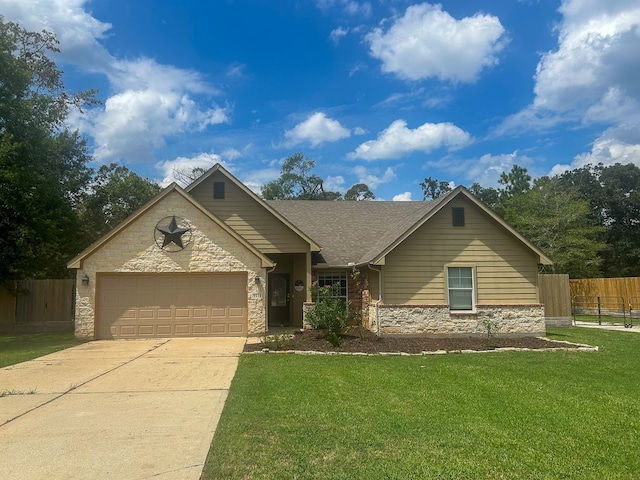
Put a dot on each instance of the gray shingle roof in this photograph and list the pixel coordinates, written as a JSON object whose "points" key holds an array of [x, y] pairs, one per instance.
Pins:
{"points": [[350, 231]]}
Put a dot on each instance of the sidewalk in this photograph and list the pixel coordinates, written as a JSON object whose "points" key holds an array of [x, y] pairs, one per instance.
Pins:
{"points": [[608, 326]]}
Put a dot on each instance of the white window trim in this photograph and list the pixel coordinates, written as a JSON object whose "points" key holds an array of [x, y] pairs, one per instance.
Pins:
{"points": [[337, 273], [474, 288]]}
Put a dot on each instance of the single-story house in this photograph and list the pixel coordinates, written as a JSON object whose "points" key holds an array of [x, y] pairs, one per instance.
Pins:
{"points": [[216, 259]]}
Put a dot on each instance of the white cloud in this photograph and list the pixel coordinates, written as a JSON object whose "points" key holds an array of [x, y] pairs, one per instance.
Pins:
{"points": [[428, 42], [369, 178], [149, 102], [358, 9], [255, 179], [337, 34], [592, 75], [350, 7], [597, 50], [78, 32], [316, 129], [231, 154], [398, 140], [402, 197], [333, 184], [616, 145], [485, 170], [171, 169], [135, 122]]}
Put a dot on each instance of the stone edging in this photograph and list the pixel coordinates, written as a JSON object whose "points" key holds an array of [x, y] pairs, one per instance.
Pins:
{"points": [[571, 347]]}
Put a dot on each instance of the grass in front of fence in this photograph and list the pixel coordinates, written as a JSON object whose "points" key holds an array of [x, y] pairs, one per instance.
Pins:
{"points": [[486, 415], [20, 347], [606, 319]]}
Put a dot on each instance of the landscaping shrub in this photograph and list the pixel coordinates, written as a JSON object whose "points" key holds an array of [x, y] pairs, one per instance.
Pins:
{"points": [[329, 313]]}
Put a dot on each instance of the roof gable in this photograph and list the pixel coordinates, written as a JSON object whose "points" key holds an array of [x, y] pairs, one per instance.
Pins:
{"points": [[77, 261], [218, 170], [443, 201]]}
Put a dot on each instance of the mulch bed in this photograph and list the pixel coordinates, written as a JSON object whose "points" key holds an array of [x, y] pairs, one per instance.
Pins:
{"points": [[364, 341]]}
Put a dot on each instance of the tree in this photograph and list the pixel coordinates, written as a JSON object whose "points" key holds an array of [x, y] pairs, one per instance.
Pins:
{"points": [[296, 181], [432, 188], [556, 219], [490, 196], [42, 163], [621, 212], [359, 191], [115, 193], [516, 182], [613, 194], [186, 176]]}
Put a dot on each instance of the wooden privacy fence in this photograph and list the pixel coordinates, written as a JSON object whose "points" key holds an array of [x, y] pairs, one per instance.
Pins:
{"points": [[626, 287], [41, 305], [556, 297]]}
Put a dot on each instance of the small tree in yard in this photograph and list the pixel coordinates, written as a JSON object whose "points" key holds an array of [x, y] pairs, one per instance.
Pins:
{"points": [[329, 313]]}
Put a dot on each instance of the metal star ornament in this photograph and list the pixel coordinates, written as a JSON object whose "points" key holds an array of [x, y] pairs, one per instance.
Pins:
{"points": [[172, 233]]}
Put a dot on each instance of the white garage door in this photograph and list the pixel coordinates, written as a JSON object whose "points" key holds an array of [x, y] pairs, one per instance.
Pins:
{"points": [[173, 305]]}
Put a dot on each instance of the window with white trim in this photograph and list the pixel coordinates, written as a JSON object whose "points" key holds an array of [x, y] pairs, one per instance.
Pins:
{"points": [[460, 287], [331, 278]]}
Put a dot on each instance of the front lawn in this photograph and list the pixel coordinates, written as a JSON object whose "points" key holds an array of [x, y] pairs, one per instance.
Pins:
{"points": [[458, 416], [20, 347]]}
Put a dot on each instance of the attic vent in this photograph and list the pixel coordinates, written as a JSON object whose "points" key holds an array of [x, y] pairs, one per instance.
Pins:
{"points": [[458, 216], [218, 190]]}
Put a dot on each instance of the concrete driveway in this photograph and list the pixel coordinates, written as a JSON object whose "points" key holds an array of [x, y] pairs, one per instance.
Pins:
{"points": [[129, 409]]}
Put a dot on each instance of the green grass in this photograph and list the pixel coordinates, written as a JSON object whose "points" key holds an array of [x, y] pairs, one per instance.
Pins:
{"points": [[20, 347], [604, 319], [516, 415]]}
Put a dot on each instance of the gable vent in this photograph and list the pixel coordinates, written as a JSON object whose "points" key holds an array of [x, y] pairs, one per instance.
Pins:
{"points": [[218, 190], [458, 216]]}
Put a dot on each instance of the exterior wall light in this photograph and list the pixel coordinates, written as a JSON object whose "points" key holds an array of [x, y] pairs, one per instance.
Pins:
{"points": [[257, 280], [85, 280]]}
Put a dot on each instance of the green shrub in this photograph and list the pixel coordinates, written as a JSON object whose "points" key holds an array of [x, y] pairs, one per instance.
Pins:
{"points": [[330, 312]]}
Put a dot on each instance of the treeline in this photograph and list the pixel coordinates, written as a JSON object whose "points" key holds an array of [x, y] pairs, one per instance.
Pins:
{"points": [[52, 204]]}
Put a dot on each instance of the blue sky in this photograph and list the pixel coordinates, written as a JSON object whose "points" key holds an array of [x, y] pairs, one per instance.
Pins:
{"points": [[382, 92]]}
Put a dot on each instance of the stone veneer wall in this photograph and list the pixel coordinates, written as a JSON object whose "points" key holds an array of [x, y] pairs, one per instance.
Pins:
{"points": [[134, 250], [437, 320]]}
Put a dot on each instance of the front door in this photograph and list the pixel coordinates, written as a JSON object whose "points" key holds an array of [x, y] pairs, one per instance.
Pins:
{"points": [[279, 299]]}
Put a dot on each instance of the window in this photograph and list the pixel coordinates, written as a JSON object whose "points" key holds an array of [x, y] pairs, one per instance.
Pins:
{"points": [[331, 278], [458, 216], [460, 288], [218, 190]]}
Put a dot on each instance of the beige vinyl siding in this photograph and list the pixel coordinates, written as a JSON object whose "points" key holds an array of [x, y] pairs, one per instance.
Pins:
{"points": [[247, 217], [506, 270]]}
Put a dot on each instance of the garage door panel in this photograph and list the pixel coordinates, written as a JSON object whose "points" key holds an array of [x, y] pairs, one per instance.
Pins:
{"points": [[201, 329], [164, 330], [145, 330], [200, 312], [183, 330], [236, 328], [218, 329], [149, 305]]}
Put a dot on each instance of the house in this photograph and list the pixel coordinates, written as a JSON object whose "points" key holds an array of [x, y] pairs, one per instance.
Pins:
{"points": [[216, 259]]}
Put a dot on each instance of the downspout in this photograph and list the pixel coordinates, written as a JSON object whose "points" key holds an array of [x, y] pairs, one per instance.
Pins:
{"points": [[266, 296], [379, 296]]}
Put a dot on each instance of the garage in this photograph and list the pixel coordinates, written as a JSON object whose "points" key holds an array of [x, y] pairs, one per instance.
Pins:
{"points": [[171, 305]]}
